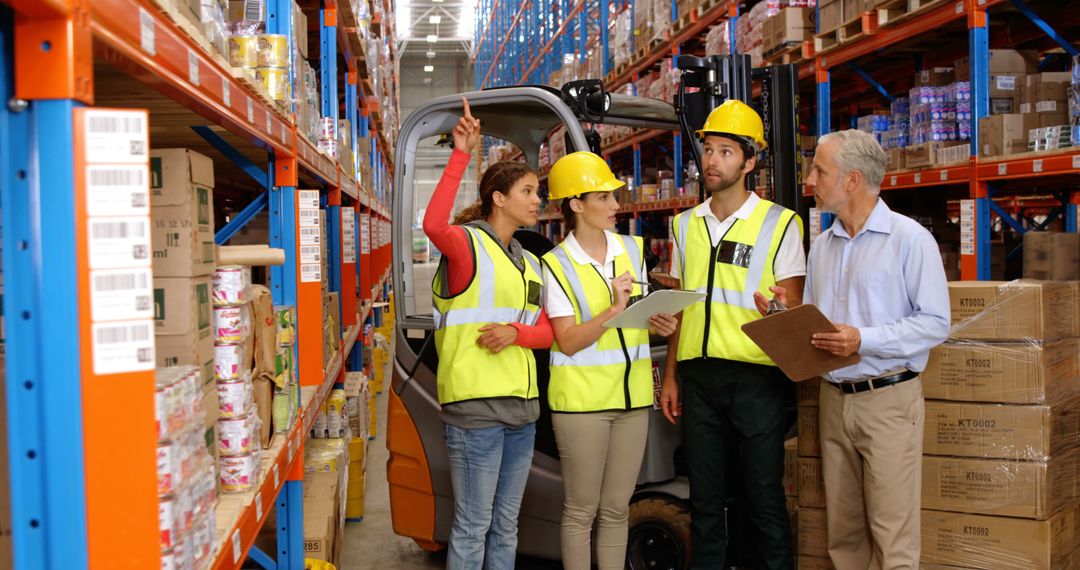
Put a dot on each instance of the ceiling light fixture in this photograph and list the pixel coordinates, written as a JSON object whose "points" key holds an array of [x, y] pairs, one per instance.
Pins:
{"points": [[429, 68], [435, 19], [432, 38], [430, 55]]}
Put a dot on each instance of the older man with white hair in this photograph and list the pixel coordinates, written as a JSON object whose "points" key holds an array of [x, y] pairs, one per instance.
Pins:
{"points": [[878, 276]]}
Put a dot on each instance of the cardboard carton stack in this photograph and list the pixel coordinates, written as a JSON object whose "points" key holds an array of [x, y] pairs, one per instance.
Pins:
{"points": [[1000, 470], [810, 542], [1052, 255], [789, 27]]}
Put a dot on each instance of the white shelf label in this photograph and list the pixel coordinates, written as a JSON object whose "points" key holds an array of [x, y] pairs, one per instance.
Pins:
{"points": [[1005, 82], [116, 137], [269, 124], [892, 181], [121, 294], [967, 226], [258, 506], [118, 190], [310, 236], [192, 67], [365, 234], [967, 237], [310, 254], [226, 92], [1003, 168], [277, 480], [960, 7], [1037, 165], [310, 273], [119, 242], [126, 346], [236, 550], [918, 178], [967, 249], [348, 236], [146, 31], [308, 199], [292, 449], [1076, 161], [309, 217], [967, 206], [944, 175], [251, 110]]}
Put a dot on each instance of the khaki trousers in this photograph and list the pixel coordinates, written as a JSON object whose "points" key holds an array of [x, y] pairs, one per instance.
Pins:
{"points": [[871, 453], [600, 454]]}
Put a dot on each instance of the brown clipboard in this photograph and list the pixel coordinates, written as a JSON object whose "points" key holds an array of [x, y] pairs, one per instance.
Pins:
{"points": [[785, 337]]}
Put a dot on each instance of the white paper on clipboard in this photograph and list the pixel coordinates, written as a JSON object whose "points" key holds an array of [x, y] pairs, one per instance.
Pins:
{"points": [[668, 301]]}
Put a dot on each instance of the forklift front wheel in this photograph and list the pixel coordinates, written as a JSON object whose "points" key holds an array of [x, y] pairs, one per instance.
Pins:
{"points": [[659, 534]]}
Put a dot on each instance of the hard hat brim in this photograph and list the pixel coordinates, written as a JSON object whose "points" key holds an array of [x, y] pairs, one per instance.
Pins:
{"points": [[758, 147], [607, 186]]}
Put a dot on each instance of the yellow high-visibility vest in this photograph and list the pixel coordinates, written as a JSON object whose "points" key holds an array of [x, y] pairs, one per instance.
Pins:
{"points": [[615, 372], [729, 274], [498, 293]]}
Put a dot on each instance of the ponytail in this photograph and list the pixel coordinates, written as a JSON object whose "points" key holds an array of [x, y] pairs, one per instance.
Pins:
{"points": [[473, 212], [499, 177]]}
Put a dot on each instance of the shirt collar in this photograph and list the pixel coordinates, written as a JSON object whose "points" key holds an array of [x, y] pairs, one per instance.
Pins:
{"points": [[880, 221], [514, 249], [704, 209], [614, 249]]}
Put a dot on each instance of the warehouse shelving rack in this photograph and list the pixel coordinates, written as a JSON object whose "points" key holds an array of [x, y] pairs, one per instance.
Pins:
{"points": [[82, 481], [979, 175]]}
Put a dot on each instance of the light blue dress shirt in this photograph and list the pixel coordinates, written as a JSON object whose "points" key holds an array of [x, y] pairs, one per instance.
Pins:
{"points": [[888, 281]]}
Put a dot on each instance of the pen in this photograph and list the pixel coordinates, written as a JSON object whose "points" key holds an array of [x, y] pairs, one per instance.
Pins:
{"points": [[635, 282]]}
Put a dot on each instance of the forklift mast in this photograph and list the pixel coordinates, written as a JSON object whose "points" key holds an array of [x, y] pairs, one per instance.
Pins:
{"points": [[707, 82]]}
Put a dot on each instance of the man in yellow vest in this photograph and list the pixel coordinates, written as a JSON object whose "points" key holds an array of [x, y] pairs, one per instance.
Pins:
{"points": [[735, 403]]}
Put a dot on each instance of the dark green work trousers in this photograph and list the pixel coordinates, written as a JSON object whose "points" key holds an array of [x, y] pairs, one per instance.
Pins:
{"points": [[736, 414]]}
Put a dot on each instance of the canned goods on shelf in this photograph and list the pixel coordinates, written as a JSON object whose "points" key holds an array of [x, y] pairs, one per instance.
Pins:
{"points": [[231, 324], [244, 51], [234, 435], [230, 285], [327, 129], [234, 397], [168, 560], [237, 473], [273, 50], [231, 361], [168, 522], [276, 82], [166, 468]]}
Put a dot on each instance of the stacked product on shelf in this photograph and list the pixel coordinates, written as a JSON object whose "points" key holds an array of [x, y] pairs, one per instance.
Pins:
{"points": [[286, 399], [1053, 256], [810, 543], [357, 395], [1000, 469], [186, 474], [789, 27], [326, 475], [239, 425]]}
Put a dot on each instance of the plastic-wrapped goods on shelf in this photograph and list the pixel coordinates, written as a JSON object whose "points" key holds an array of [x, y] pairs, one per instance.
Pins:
{"points": [[718, 40], [1002, 543], [1001, 431], [1022, 310], [230, 285], [621, 34], [1000, 487]]}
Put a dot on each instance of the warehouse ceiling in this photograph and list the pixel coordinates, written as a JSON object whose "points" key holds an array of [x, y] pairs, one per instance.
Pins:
{"points": [[439, 27]]}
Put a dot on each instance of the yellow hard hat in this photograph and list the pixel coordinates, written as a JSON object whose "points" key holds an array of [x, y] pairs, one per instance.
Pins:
{"points": [[736, 118], [579, 173]]}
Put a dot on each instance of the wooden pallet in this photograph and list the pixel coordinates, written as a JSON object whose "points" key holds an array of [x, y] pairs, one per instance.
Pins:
{"points": [[690, 17], [902, 10], [707, 5], [789, 52], [825, 40], [647, 49]]}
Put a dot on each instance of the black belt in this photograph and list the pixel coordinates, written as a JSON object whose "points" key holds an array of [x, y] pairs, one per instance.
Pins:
{"points": [[875, 383]]}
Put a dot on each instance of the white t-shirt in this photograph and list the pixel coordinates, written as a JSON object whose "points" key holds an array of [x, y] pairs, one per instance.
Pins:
{"points": [[790, 260], [556, 302]]}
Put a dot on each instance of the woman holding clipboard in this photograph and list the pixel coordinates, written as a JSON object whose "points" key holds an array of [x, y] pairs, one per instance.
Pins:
{"points": [[488, 295], [601, 384]]}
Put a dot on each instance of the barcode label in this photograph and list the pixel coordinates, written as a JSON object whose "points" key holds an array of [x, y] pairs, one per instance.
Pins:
{"points": [[309, 236], [126, 281], [310, 254], [121, 294], [146, 32], [348, 251], [226, 92], [119, 243], [123, 346], [251, 111], [236, 550], [310, 273], [192, 67], [1003, 169], [308, 199], [309, 217], [115, 137], [121, 190], [967, 249], [1037, 165], [365, 234], [253, 11]]}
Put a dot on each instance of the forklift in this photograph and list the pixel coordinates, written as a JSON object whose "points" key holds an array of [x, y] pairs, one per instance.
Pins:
{"points": [[418, 469]]}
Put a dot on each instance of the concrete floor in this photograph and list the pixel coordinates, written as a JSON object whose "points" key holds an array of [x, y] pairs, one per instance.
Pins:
{"points": [[372, 544]]}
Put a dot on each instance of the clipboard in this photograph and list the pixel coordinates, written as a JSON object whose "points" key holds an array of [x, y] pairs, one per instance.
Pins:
{"points": [[669, 301], [785, 337]]}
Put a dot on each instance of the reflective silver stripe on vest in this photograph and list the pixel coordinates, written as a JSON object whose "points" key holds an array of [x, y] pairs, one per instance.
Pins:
{"points": [[681, 232], [486, 312], [592, 357], [745, 298], [472, 316], [575, 283], [632, 251]]}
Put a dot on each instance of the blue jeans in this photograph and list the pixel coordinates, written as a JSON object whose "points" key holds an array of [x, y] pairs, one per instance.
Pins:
{"points": [[488, 471]]}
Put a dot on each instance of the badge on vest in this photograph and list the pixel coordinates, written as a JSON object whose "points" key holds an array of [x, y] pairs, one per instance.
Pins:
{"points": [[534, 293], [734, 253]]}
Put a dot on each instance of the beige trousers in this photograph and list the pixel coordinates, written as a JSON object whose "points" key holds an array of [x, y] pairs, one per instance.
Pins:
{"points": [[600, 454], [871, 454]]}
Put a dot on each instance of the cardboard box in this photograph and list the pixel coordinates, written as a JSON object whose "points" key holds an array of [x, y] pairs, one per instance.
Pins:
{"points": [[1017, 310], [812, 534], [1008, 373], [1003, 135], [1004, 105], [182, 305], [182, 212], [896, 159], [1000, 487], [831, 15], [300, 32], [194, 349], [1074, 330], [808, 391], [1046, 86], [815, 563], [809, 440], [921, 155], [811, 483], [319, 536], [254, 10], [1002, 61], [935, 77], [1032, 433], [1006, 85], [1052, 256], [791, 467], [1001, 543], [791, 25]]}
